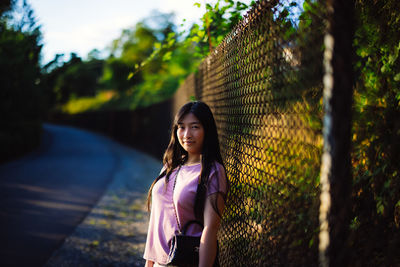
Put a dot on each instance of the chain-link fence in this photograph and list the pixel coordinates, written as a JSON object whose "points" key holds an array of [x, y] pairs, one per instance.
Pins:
{"points": [[264, 86]]}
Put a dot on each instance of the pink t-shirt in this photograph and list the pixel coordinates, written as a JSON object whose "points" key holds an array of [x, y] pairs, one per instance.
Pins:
{"points": [[162, 224]]}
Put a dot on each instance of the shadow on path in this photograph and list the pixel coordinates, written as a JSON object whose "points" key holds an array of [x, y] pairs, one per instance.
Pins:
{"points": [[46, 194]]}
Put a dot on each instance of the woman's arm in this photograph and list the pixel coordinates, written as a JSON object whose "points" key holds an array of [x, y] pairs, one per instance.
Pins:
{"points": [[208, 242], [149, 263]]}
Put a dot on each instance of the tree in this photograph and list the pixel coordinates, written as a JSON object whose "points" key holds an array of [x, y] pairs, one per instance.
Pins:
{"points": [[75, 78], [5, 5], [21, 99]]}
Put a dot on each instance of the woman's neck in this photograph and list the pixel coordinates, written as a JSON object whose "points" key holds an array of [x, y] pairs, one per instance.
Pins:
{"points": [[193, 159]]}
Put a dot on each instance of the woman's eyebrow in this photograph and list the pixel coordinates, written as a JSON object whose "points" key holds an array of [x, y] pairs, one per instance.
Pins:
{"points": [[193, 122]]}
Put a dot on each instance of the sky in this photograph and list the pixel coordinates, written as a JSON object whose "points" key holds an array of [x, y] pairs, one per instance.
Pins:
{"points": [[82, 25]]}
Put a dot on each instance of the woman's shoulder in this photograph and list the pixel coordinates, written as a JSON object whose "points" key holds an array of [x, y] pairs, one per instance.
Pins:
{"points": [[218, 165], [218, 180], [218, 168]]}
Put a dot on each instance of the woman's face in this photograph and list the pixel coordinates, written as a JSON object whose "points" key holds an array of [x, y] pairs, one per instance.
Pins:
{"points": [[190, 134]]}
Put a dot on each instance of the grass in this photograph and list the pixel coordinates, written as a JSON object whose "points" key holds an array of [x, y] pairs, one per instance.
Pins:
{"points": [[83, 104], [111, 100]]}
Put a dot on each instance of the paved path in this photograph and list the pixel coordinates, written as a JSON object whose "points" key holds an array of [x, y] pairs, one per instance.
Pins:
{"points": [[45, 195]]}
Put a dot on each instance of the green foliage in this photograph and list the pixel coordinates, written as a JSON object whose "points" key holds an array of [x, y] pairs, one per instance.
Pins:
{"points": [[376, 128], [217, 22], [175, 56], [116, 74], [146, 65], [150, 70], [21, 99], [75, 78]]}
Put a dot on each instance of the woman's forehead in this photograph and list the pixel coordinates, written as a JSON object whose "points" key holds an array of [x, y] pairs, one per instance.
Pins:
{"points": [[188, 119]]}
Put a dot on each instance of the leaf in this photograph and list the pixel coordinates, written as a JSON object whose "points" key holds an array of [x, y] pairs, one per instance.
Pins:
{"points": [[171, 35], [385, 68], [167, 56], [171, 42], [195, 39], [362, 52], [308, 6], [157, 45], [380, 208], [201, 34], [130, 75], [397, 77], [197, 4], [386, 185]]}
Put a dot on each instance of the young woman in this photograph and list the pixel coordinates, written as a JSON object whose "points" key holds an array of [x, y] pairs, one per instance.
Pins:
{"points": [[192, 159]]}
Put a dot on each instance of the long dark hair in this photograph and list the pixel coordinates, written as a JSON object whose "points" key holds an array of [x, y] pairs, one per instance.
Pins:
{"points": [[175, 155]]}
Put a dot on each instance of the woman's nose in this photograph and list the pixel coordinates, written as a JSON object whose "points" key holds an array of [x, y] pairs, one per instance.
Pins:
{"points": [[187, 133]]}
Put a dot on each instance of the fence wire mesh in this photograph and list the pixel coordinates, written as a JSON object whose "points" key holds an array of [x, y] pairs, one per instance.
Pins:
{"points": [[264, 85]]}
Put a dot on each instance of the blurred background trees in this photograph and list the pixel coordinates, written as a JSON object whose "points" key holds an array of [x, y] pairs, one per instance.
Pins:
{"points": [[21, 99], [145, 65]]}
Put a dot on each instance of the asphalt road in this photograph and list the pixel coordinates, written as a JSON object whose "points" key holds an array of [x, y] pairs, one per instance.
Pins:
{"points": [[46, 194]]}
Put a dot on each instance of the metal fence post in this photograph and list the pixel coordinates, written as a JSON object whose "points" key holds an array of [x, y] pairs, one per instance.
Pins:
{"points": [[336, 165]]}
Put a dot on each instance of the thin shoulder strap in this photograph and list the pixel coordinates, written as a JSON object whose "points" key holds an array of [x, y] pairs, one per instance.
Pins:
{"points": [[173, 203]]}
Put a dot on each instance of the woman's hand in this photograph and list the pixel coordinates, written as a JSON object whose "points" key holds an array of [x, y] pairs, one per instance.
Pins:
{"points": [[208, 242]]}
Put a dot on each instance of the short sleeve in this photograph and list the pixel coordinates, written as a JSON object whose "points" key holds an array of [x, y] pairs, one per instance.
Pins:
{"points": [[217, 182]]}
